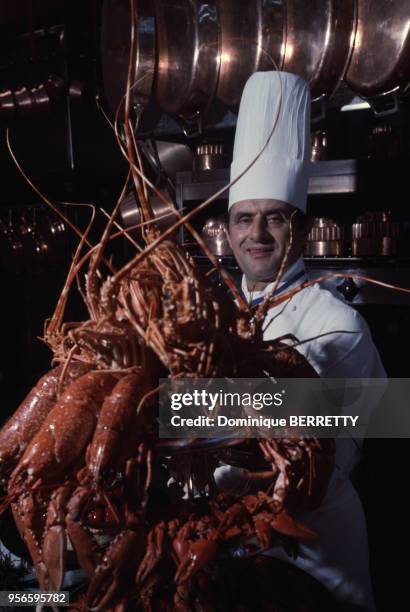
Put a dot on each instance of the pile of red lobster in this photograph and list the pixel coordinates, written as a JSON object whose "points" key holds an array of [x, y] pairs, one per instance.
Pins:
{"points": [[77, 458]]}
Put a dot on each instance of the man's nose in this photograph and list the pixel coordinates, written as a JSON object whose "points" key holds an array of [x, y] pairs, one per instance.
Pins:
{"points": [[258, 229]]}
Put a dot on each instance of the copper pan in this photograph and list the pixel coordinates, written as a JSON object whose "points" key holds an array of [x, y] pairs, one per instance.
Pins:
{"points": [[380, 61], [319, 41], [188, 55], [7, 105], [252, 35], [24, 102], [115, 51], [41, 100]]}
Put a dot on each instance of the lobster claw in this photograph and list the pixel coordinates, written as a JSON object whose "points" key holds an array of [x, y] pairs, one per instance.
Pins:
{"points": [[54, 554], [200, 553], [55, 538], [119, 564]]}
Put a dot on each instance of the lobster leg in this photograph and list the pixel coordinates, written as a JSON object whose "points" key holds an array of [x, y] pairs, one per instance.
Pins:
{"points": [[118, 566], [88, 552], [154, 552], [282, 483]]}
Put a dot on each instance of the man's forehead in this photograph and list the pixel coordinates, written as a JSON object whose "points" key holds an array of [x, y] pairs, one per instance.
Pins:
{"points": [[260, 206]]}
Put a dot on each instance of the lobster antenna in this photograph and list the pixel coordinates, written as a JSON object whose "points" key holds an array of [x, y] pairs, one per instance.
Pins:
{"points": [[91, 276], [57, 317], [273, 301], [123, 230], [128, 130]]}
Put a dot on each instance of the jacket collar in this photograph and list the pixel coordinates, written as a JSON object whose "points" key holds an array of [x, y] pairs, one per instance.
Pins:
{"points": [[292, 277]]}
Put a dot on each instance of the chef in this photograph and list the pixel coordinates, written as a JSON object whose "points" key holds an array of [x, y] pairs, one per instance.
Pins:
{"points": [[266, 205]]}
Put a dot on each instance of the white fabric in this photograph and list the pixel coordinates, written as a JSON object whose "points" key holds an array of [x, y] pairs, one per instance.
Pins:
{"points": [[282, 171], [339, 559]]}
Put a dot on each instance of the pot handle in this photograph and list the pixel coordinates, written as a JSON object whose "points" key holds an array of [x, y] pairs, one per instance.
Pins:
{"points": [[386, 104], [192, 127]]}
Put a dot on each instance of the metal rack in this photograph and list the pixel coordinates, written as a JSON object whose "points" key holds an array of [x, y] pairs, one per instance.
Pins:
{"points": [[327, 177]]}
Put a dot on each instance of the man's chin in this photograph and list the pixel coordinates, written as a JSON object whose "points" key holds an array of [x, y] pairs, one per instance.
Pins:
{"points": [[262, 276]]}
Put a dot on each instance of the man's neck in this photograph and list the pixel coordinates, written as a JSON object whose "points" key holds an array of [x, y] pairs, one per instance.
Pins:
{"points": [[253, 285], [257, 286]]}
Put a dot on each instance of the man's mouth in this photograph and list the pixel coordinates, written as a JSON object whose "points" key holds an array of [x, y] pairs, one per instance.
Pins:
{"points": [[260, 252]]}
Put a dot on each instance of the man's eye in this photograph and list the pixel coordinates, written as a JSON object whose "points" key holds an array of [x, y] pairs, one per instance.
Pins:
{"points": [[275, 219], [245, 220]]}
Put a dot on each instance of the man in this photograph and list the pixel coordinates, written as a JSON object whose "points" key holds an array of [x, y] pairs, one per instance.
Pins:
{"points": [[266, 207]]}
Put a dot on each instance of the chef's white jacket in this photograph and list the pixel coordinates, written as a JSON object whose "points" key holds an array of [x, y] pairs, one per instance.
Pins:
{"points": [[339, 558]]}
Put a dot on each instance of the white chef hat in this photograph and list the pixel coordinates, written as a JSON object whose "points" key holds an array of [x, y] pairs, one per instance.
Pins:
{"points": [[282, 171]]}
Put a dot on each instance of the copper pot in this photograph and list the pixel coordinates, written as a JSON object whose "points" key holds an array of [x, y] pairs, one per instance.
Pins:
{"points": [[24, 102], [115, 51], [215, 236], [319, 146], [54, 87], [210, 156], [374, 233], [188, 55], [319, 42], [41, 100], [7, 105], [252, 37], [324, 239], [381, 56]]}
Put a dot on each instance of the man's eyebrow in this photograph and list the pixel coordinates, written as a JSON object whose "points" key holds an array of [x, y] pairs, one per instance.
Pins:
{"points": [[252, 213], [242, 213], [278, 211]]}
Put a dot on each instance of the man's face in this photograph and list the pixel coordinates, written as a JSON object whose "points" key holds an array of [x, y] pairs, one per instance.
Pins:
{"points": [[259, 232]]}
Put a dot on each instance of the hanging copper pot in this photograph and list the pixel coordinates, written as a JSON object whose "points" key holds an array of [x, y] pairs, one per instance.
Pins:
{"points": [[115, 51], [380, 61], [24, 102], [7, 105], [54, 87], [319, 42], [41, 100], [252, 36], [188, 55]]}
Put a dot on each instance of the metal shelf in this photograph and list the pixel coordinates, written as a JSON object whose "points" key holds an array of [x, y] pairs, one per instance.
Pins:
{"points": [[327, 177], [394, 271]]}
